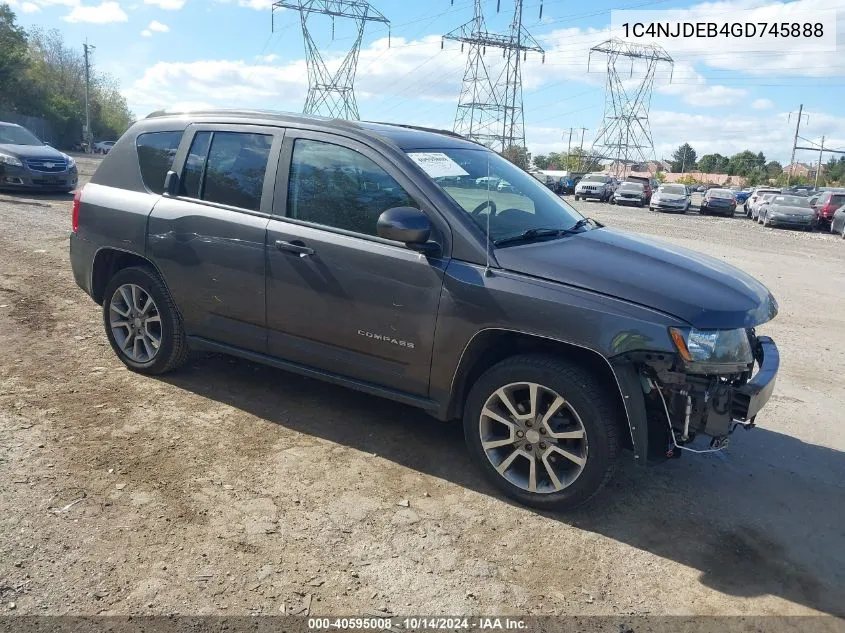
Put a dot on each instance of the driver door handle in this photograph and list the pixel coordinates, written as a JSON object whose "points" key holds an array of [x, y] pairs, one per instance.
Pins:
{"points": [[294, 247]]}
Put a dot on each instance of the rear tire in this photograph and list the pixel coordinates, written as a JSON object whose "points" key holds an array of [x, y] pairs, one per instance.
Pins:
{"points": [[567, 401], [142, 323]]}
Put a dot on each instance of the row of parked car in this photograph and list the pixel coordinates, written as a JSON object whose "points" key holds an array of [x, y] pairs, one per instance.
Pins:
{"points": [[823, 208]]}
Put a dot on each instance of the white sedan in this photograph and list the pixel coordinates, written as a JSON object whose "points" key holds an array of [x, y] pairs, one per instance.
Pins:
{"points": [[103, 147]]}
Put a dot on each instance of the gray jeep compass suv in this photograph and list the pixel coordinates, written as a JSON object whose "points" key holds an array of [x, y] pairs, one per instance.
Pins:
{"points": [[382, 258]]}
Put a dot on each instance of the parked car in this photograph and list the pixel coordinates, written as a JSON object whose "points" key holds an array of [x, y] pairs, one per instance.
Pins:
{"points": [[487, 182], [718, 201], [670, 197], [741, 195], [701, 189], [758, 204], [825, 205], [564, 182], [103, 147], [785, 210], [597, 186], [505, 186], [338, 251], [649, 185], [837, 224], [629, 193], [759, 191], [26, 162]]}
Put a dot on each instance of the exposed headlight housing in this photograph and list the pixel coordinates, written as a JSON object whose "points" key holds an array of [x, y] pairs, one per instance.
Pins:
{"points": [[8, 159], [71, 163], [713, 350]]}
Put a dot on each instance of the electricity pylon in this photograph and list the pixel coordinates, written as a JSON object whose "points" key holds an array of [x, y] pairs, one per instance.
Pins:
{"points": [[490, 104], [332, 94], [624, 135]]}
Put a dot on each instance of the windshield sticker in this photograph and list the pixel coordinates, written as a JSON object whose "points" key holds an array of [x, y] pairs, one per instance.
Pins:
{"points": [[437, 164]]}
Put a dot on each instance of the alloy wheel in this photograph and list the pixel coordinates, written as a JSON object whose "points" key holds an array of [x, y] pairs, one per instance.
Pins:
{"points": [[135, 323], [533, 437]]}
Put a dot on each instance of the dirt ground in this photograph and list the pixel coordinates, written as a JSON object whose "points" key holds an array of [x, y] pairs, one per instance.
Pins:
{"points": [[232, 488]]}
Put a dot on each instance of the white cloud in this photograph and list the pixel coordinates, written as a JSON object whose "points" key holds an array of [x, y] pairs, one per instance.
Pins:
{"points": [[146, 33], [158, 27], [762, 104], [167, 5], [267, 59], [30, 7], [258, 5], [104, 13]]}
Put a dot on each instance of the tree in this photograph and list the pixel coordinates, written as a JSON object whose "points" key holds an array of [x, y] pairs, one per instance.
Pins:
{"points": [[41, 76], [774, 169], [686, 180], [745, 162], [518, 155], [660, 176], [13, 57], [713, 164], [683, 159]]}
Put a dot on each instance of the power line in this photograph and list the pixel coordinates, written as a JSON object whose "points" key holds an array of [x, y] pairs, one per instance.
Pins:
{"points": [[332, 93], [624, 136], [490, 107]]}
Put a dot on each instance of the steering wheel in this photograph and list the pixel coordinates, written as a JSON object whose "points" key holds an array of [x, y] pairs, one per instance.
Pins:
{"points": [[487, 203]]}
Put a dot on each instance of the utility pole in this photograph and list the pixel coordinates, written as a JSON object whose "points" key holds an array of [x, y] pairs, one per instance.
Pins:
{"points": [[795, 143], [569, 144], [88, 137], [684, 160], [581, 148], [819, 168]]}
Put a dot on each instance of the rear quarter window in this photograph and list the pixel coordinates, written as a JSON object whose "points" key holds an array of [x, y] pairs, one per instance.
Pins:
{"points": [[156, 151]]}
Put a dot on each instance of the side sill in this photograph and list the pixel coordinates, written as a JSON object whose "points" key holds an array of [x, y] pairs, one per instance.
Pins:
{"points": [[202, 344]]}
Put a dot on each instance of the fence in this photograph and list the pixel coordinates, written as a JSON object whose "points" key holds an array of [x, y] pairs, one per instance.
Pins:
{"points": [[40, 127]]}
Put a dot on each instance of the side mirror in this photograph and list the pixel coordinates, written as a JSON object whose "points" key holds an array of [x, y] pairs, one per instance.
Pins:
{"points": [[404, 224], [171, 184], [47, 144]]}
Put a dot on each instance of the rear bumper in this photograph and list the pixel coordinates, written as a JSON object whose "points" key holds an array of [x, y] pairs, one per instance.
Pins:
{"points": [[753, 395], [81, 261]]}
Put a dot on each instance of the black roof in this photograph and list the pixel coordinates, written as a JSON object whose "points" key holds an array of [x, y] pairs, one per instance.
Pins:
{"points": [[406, 137]]}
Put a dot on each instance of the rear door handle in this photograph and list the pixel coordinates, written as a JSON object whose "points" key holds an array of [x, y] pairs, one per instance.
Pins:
{"points": [[294, 247]]}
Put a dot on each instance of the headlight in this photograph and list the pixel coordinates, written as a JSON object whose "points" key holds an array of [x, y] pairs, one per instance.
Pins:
{"points": [[71, 163], [713, 347], [10, 160]]}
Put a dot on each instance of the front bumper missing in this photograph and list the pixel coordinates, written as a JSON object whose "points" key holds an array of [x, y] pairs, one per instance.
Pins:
{"points": [[668, 408]]}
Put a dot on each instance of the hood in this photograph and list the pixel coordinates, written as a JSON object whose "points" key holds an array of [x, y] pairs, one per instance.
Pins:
{"points": [[701, 290], [670, 197], [32, 151]]}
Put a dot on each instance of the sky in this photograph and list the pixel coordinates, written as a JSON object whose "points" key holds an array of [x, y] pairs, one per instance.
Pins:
{"points": [[222, 53]]}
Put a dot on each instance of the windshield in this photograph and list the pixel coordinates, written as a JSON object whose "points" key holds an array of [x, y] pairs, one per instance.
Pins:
{"points": [[630, 186], [721, 193], [673, 189], [791, 201], [14, 135], [594, 178], [519, 205]]}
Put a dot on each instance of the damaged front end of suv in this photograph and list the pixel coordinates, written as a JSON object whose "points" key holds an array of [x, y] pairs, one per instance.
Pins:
{"points": [[694, 398]]}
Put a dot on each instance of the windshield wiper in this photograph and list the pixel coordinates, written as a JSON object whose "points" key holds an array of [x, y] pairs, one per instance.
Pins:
{"points": [[580, 224], [528, 235]]}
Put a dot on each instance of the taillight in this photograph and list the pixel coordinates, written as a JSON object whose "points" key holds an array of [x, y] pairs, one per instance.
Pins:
{"points": [[74, 216]]}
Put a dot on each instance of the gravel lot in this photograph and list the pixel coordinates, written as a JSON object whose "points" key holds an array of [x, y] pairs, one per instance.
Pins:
{"points": [[234, 488]]}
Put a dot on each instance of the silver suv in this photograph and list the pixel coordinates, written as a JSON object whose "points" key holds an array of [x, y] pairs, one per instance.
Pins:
{"points": [[599, 186]]}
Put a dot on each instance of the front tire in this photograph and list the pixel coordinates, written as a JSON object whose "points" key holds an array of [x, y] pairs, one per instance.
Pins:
{"points": [[543, 431], [142, 323]]}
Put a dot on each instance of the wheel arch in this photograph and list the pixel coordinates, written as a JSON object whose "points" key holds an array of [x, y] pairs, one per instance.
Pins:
{"points": [[108, 262], [491, 346]]}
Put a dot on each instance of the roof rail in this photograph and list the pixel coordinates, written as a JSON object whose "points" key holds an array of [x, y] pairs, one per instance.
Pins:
{"points": [[421, 129]]}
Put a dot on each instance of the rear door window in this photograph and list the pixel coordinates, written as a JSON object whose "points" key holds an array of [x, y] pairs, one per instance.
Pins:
{"points": [[227, 168], [155, 157]]}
